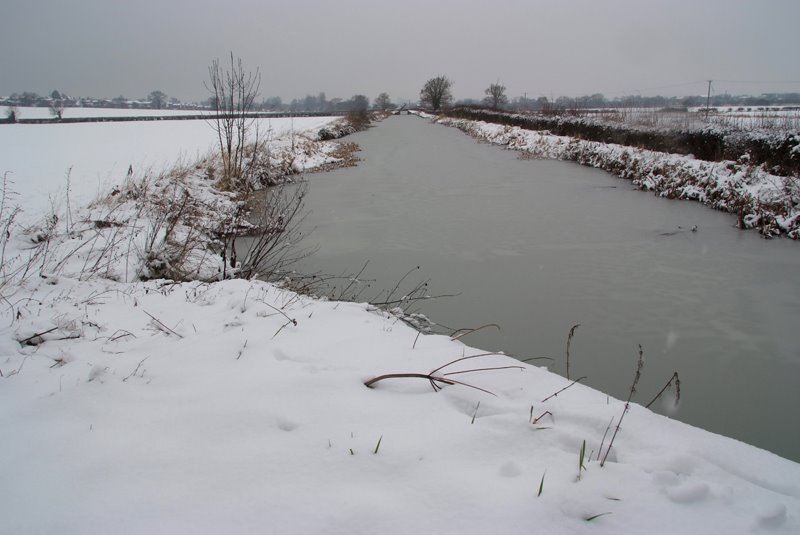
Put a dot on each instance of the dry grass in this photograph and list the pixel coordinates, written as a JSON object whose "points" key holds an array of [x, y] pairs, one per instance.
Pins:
{"points": [[637, 376]]}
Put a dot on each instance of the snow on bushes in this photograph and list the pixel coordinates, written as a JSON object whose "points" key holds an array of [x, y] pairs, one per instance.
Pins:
{"points": [[758, 198]]}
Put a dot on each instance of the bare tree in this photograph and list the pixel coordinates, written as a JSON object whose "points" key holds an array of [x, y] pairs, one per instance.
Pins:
{"points": [[436, 93], [233, 93], [56, 109], [496, 95], [357, 115], [279, 219], [359, 103], [157, 99], [382, 102]]}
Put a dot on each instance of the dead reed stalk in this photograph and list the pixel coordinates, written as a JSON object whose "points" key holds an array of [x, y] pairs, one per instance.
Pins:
{"points": [[639, 366], [569, 341]]}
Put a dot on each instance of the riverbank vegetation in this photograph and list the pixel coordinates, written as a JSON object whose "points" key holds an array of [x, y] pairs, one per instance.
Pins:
{"points": [[751, 174], [774, 148], [177, 223]]}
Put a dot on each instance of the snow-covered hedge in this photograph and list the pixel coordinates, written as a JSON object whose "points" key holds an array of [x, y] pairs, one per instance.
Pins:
{"points": [[778, 150], [759, 199], [345, 127]]}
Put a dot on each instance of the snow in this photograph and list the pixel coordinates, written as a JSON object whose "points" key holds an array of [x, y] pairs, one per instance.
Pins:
{"points": [[236, 406], [41, 112], [97, 156], [239, 421], [762, 200]]}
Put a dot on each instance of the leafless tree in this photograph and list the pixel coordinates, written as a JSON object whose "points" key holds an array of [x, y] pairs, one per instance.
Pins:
{"points": [[157, 99], [382, 102], [359, 103], [56, 109], [496, 95], [358, 116], [436, 93], [233, 91], [279, 216]]}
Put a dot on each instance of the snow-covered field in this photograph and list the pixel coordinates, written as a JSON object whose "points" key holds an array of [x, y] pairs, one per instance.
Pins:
{"points": [[239, 407], [97, 156], [744, 118], [40, 112]]}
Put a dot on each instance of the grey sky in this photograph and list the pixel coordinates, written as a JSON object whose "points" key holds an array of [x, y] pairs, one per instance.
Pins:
{"points": [[105, 48]]}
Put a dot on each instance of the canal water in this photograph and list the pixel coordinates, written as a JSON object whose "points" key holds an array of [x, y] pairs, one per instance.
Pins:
{"points": [[537, 246]]}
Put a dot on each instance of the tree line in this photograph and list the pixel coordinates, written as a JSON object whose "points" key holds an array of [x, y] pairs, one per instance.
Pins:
{"points": [[158, 100], [435, 94]]}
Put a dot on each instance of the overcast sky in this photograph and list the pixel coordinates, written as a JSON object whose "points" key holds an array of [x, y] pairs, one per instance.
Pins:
{"points": [[106, 48]]}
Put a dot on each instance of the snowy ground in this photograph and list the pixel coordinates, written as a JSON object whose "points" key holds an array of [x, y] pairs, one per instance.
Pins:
{"points": [[238, 407], [97, 156], [40, 112], [745, 118]]}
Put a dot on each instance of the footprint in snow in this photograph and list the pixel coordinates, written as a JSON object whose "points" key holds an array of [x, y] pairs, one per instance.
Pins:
{"points": [[510, 469], [97, 372], [772, 516], [687, 492], [280, 355], [300, 359], [666, 478], [284, 424]]}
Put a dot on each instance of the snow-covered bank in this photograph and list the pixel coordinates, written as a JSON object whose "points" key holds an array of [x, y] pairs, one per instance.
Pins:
{"points": [[760, 200], [197, 408], [236, 406], [97, 156]]}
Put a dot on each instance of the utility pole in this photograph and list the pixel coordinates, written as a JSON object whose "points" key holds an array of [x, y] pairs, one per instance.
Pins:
{"points": [[708, 98]]}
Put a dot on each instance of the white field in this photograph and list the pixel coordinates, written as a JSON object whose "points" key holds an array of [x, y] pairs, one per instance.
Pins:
{"points": [[37, 112], [97, 156], [237, 407], [767, 118]]}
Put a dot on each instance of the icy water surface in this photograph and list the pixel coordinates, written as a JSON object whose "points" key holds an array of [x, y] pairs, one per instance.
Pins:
{"points": [[538, 246]]}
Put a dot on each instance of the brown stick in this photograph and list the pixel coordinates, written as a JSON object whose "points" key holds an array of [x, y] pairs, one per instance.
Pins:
{"points": [[669, 383], [37, 335], [470, 331], [158, 321], [401, 376], [545, 413], [579, 379], [432, 378]]}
